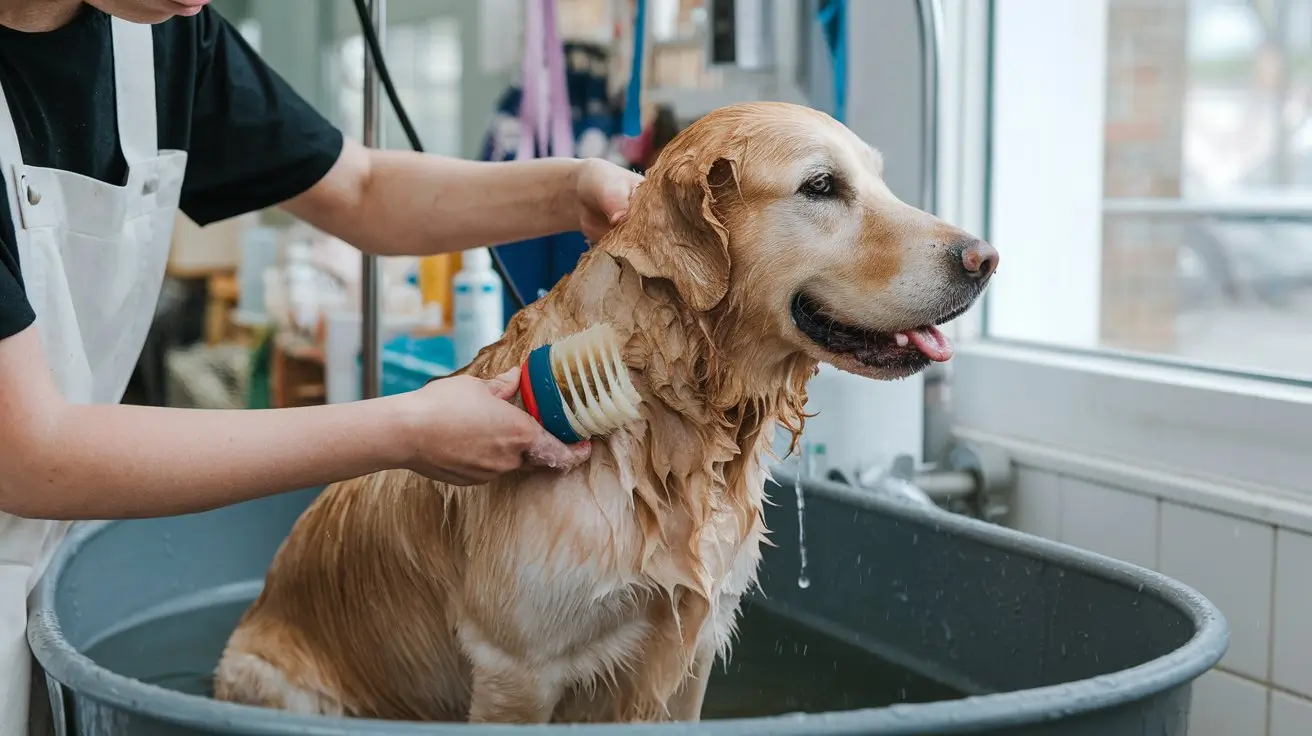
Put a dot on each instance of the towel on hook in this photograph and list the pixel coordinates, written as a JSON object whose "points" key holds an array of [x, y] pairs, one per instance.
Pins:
{"points": [[536, 265]]}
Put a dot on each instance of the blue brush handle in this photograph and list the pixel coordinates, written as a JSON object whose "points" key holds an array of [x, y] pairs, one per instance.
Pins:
{"points": [[550, 404]]}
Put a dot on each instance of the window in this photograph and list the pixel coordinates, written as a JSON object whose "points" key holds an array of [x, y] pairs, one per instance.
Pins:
{"points": [[425, 62], [1148, 182], [1152, 179]]}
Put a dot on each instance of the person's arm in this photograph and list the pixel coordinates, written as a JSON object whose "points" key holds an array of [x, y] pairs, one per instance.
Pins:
{"points": [[68, 461], [406, 203]]}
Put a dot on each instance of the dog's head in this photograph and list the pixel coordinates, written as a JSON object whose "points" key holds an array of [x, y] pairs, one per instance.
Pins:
{"points": [[779, 215]]}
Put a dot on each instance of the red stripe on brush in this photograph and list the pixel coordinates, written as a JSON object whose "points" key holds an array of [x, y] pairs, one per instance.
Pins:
{"points": [[526, 393]]}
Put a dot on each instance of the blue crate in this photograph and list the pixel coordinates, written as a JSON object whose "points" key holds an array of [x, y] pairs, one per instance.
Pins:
{"points": [[410, 362]]}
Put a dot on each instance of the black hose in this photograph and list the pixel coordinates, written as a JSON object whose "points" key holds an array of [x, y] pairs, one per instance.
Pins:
{"points": [[376, 53]]}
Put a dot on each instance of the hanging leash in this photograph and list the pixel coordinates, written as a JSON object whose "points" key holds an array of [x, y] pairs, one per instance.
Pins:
{"points": [[833, 21], [546, 121], [632, 122]]}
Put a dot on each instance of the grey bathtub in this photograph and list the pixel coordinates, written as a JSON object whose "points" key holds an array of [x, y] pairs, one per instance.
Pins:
{"points": [[914, 621]]}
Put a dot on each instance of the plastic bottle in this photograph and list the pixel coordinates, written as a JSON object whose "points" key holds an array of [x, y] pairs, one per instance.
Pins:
{"points": [[479, 314], [435, 274]]}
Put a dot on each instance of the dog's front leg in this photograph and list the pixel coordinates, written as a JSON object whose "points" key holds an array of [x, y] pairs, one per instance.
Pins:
{"points": [[686, 704], [504, 687], [512, 692]]}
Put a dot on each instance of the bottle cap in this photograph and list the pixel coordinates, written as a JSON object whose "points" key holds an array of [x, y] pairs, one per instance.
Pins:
{"points": [[476, 259]]}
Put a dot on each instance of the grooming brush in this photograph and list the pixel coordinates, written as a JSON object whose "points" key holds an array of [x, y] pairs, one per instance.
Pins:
{"points": [[579, 387]]}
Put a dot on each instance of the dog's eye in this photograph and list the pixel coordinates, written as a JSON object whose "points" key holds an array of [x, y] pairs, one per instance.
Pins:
{"points": [[820, 185]]}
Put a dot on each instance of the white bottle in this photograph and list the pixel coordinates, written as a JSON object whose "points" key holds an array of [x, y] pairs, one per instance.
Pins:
{"points": [[479, 312]]}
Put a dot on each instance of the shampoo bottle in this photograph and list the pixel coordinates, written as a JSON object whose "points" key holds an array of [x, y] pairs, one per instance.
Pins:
{"points": [[479, 314]]}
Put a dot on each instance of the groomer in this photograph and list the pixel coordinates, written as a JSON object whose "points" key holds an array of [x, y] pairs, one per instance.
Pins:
{"points": [[117, 113]]}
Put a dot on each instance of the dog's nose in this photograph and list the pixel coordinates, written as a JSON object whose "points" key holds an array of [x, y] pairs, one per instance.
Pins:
{"points": [[979, 259]]}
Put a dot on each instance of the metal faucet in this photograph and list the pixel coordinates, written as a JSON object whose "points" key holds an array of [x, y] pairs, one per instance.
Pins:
{"points": [[895, 480], [975, 481]]}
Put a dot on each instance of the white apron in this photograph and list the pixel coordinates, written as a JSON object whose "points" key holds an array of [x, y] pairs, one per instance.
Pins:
{"points": [[92, 257]]}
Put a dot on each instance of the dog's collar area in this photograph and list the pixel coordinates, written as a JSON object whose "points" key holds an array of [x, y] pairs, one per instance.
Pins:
{"points": [[871, 348]]}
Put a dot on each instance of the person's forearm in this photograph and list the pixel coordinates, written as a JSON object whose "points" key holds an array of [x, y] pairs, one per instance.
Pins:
{"points": [[105, 462], [405, 203]]}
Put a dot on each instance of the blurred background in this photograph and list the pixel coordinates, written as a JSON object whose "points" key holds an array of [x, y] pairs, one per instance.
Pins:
{"points": [[1206, 244], [1142, 362]]}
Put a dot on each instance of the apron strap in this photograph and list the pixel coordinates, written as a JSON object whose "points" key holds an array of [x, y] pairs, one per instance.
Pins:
{"points": [[11, 161], [134, 88]]}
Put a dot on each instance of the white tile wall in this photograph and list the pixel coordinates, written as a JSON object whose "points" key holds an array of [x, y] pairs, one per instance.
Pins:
{"points": [[1036, 508], [1240, 565], [1290, 715], [1109, 521], [1231, 561], [1225, 705], [1291, 665]]}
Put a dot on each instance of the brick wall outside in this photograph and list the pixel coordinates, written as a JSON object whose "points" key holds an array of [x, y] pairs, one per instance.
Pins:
{"points": [[1146, 83]]}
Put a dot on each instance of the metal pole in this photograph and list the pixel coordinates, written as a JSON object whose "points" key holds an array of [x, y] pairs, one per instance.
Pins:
{"points": [[371, 367], [929, 14]]}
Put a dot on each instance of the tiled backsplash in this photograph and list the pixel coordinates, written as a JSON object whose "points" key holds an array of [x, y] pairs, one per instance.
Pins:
{"points": [[1231, 561], [1257, 574]]}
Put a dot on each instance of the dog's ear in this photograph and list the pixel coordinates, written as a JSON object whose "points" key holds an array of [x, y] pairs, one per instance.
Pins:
{"points": [[672, 230]]}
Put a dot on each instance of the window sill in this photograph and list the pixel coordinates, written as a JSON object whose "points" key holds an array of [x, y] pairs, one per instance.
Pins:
{"points": [[1229, 442]]}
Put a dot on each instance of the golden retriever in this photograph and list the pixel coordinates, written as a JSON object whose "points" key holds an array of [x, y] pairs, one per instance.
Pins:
{"points": [[763, 241]]}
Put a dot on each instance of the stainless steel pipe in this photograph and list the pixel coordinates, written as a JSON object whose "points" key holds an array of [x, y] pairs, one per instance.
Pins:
{"points": [[371, 359], [947, 485], [929, 14]]}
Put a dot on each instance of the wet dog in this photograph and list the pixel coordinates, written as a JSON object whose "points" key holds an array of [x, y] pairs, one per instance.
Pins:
{"points": [[762, 242]]}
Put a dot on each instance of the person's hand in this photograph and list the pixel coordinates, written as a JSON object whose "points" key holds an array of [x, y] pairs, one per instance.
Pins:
{"points": [[464, 431], [603, 190]]}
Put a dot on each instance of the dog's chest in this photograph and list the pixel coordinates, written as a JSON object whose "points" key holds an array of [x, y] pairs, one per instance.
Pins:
{"points": [[712, 549], [588, 569], [585, 530]]}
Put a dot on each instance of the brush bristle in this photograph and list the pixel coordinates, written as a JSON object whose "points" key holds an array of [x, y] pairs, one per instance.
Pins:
{"points": [[594, 382]]}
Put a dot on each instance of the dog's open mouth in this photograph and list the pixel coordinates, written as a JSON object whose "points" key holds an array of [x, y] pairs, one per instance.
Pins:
{"points": [[906, 348]]}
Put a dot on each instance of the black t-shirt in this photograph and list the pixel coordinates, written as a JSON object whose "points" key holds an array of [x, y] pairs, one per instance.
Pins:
{"points": [[252, 142]]}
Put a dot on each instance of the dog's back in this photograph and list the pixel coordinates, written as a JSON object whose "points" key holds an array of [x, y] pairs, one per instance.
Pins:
{"points": [[354, 606]]}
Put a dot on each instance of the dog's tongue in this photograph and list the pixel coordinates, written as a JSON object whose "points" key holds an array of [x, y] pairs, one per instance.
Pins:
{"points": [[928, 340]]}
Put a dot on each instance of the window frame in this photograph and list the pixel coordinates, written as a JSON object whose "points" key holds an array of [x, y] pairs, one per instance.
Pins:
{"points": [[1211, 436]]}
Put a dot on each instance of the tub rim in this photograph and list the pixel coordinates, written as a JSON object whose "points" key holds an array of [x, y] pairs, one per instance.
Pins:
{"points": [[1180, 667]]}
